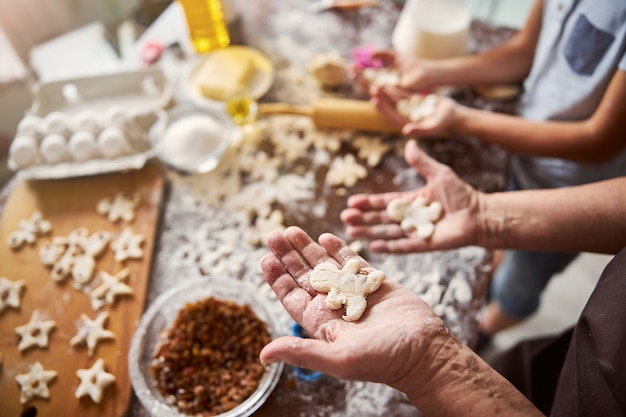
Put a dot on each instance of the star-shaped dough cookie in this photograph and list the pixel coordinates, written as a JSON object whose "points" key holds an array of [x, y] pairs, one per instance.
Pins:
{"points": [[415, 215], [128, 245], [93, 381], [35, 332], [10, 293], [121, 207], [35, 383], [112, 286], [347, 287], [92, 331]]}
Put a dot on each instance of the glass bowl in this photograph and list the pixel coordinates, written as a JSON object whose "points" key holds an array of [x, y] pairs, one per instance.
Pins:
{"points": [[194, 139], [160, 316]]}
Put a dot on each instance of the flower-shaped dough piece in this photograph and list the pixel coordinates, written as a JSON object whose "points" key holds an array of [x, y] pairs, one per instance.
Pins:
{"points": [[29, 230], [347, 287], [345, 171], [415, 215], [35, 383], [10, 293], [370, 149], [92, 331], [128, 245], [112, 286], [35, 332], [93, 381], [418, 107], [121, 207]]}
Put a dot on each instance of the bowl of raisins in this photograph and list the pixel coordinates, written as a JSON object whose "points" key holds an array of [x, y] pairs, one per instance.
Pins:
{"points": [[196, 350]]}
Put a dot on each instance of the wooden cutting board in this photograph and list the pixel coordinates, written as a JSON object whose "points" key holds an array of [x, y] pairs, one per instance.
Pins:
{"points": [[69, 204]]}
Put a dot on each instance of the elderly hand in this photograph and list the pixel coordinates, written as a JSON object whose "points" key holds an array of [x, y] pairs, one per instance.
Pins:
{"points": [[399, 341], [366, 215], [396, 337]]}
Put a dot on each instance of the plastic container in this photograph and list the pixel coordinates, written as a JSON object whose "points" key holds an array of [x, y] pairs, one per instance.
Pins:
{"points": [[433, 29], [207, 25]]}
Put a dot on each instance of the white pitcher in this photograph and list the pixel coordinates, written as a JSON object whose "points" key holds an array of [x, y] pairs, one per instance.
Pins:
{"points": [[433, 29]]}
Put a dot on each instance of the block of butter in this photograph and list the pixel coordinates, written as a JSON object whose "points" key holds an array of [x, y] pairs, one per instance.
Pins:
{"points": [[223, 74]]}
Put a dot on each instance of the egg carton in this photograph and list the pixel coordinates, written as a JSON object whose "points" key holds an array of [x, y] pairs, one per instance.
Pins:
{"points": [[90, 125]]}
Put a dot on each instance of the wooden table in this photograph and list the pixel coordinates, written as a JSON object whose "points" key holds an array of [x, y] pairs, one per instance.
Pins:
{"points": [[200, 236]]}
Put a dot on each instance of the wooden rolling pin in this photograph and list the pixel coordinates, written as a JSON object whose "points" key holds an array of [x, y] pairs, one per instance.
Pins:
{"points": [[337, 113]]}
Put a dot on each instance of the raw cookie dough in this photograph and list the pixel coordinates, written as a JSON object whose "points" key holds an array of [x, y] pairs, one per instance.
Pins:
{"points": [[29, 230], [10, 293], [328, 69], [112, 286], [417, 107], [93, 381], [92, 331], [121, 207], [347, 287], [415, 215], [35, 332], [345, 171], [128, 246], [35, 383]]}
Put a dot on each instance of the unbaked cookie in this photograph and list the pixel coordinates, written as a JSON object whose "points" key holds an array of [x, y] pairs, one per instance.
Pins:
{"points": [[415, 215], [35, 332], [35, 382], [121, 207], [111, 287], [10, 293], [93, 381], [418, 107], [128, 246], [348, 286], [29, 230], [345, 171], [92, 331]]}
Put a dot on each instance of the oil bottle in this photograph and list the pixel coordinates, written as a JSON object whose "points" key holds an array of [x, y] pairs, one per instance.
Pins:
{"points": [[207, 25]]}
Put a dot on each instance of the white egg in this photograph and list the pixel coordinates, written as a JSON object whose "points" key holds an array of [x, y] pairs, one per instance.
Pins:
{"points": [[87, 120], [82, 145], [56, 122], [112, 142], [23, 151], [53, 148], [30, 126]]}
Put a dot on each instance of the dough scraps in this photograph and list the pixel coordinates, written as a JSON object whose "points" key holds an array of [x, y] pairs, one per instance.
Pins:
{"points": [[347, 287], [29, 230], [35, 382], [121, 207], [10, 293], [93, 381], [92, 331], [415, 215], [35, 332]]}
